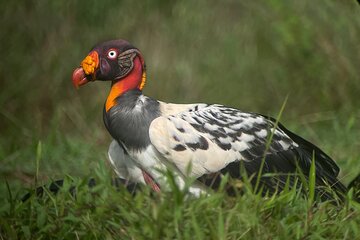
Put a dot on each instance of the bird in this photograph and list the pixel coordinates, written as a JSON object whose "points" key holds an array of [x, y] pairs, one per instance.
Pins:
{"points": [[203, 142]]}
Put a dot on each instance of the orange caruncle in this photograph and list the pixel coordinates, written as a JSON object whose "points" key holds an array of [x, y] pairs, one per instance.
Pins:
{"points": [[90, 63]]}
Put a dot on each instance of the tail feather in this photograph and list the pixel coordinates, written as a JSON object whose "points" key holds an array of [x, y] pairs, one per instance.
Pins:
{"points": [[355, 185]]}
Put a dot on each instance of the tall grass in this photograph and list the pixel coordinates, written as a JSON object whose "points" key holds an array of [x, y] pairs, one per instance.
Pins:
{"points": [[103, 212]]}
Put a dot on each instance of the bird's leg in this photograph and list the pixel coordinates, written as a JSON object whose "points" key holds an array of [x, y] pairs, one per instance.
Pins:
{"points": [[150, 181]]}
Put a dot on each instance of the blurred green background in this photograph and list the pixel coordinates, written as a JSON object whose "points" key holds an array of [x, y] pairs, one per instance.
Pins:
{"points": [[245, 54]]}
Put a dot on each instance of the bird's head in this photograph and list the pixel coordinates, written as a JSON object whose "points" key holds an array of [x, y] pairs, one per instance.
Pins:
{"points": [[111, 61]]}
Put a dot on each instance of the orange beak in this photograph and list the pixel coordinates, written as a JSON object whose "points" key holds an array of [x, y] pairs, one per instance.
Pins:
{"points": [[86, 72]]}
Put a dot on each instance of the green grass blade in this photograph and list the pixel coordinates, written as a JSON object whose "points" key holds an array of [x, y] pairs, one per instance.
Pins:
{"points": [[312, 181], [38, 158], [268, 143]]}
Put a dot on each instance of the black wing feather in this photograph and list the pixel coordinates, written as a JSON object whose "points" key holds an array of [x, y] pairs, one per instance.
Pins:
{"points": [[285, 164]]}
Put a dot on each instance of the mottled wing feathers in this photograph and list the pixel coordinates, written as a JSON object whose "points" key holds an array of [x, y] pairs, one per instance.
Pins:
{"points": [[212, 136], [216, 140], [189, 147]]}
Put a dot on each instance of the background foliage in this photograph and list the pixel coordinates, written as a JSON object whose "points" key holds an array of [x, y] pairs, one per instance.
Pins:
{"points": [[245, 54]]}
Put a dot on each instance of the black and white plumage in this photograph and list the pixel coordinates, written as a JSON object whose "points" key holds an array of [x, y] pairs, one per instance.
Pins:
{"points": [[151, 136]]}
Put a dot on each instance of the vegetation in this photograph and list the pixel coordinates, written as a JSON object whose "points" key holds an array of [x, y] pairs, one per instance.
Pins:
{"points": [[245, 54]]}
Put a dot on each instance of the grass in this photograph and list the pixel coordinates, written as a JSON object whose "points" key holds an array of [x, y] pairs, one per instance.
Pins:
{"points": [[103, 213], [247, 55]]}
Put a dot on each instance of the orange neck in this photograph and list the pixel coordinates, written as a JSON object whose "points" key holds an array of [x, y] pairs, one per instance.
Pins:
{"points": [[135, 80]]}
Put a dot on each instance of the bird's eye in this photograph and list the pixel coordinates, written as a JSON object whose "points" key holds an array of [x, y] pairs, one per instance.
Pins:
{"points": [[112, 54]]}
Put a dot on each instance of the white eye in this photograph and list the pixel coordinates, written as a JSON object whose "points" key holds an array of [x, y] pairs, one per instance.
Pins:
{"points": [[112, 54]]}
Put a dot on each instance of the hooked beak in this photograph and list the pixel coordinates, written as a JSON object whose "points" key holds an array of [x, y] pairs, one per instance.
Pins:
{"points": [[87, 71]]}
